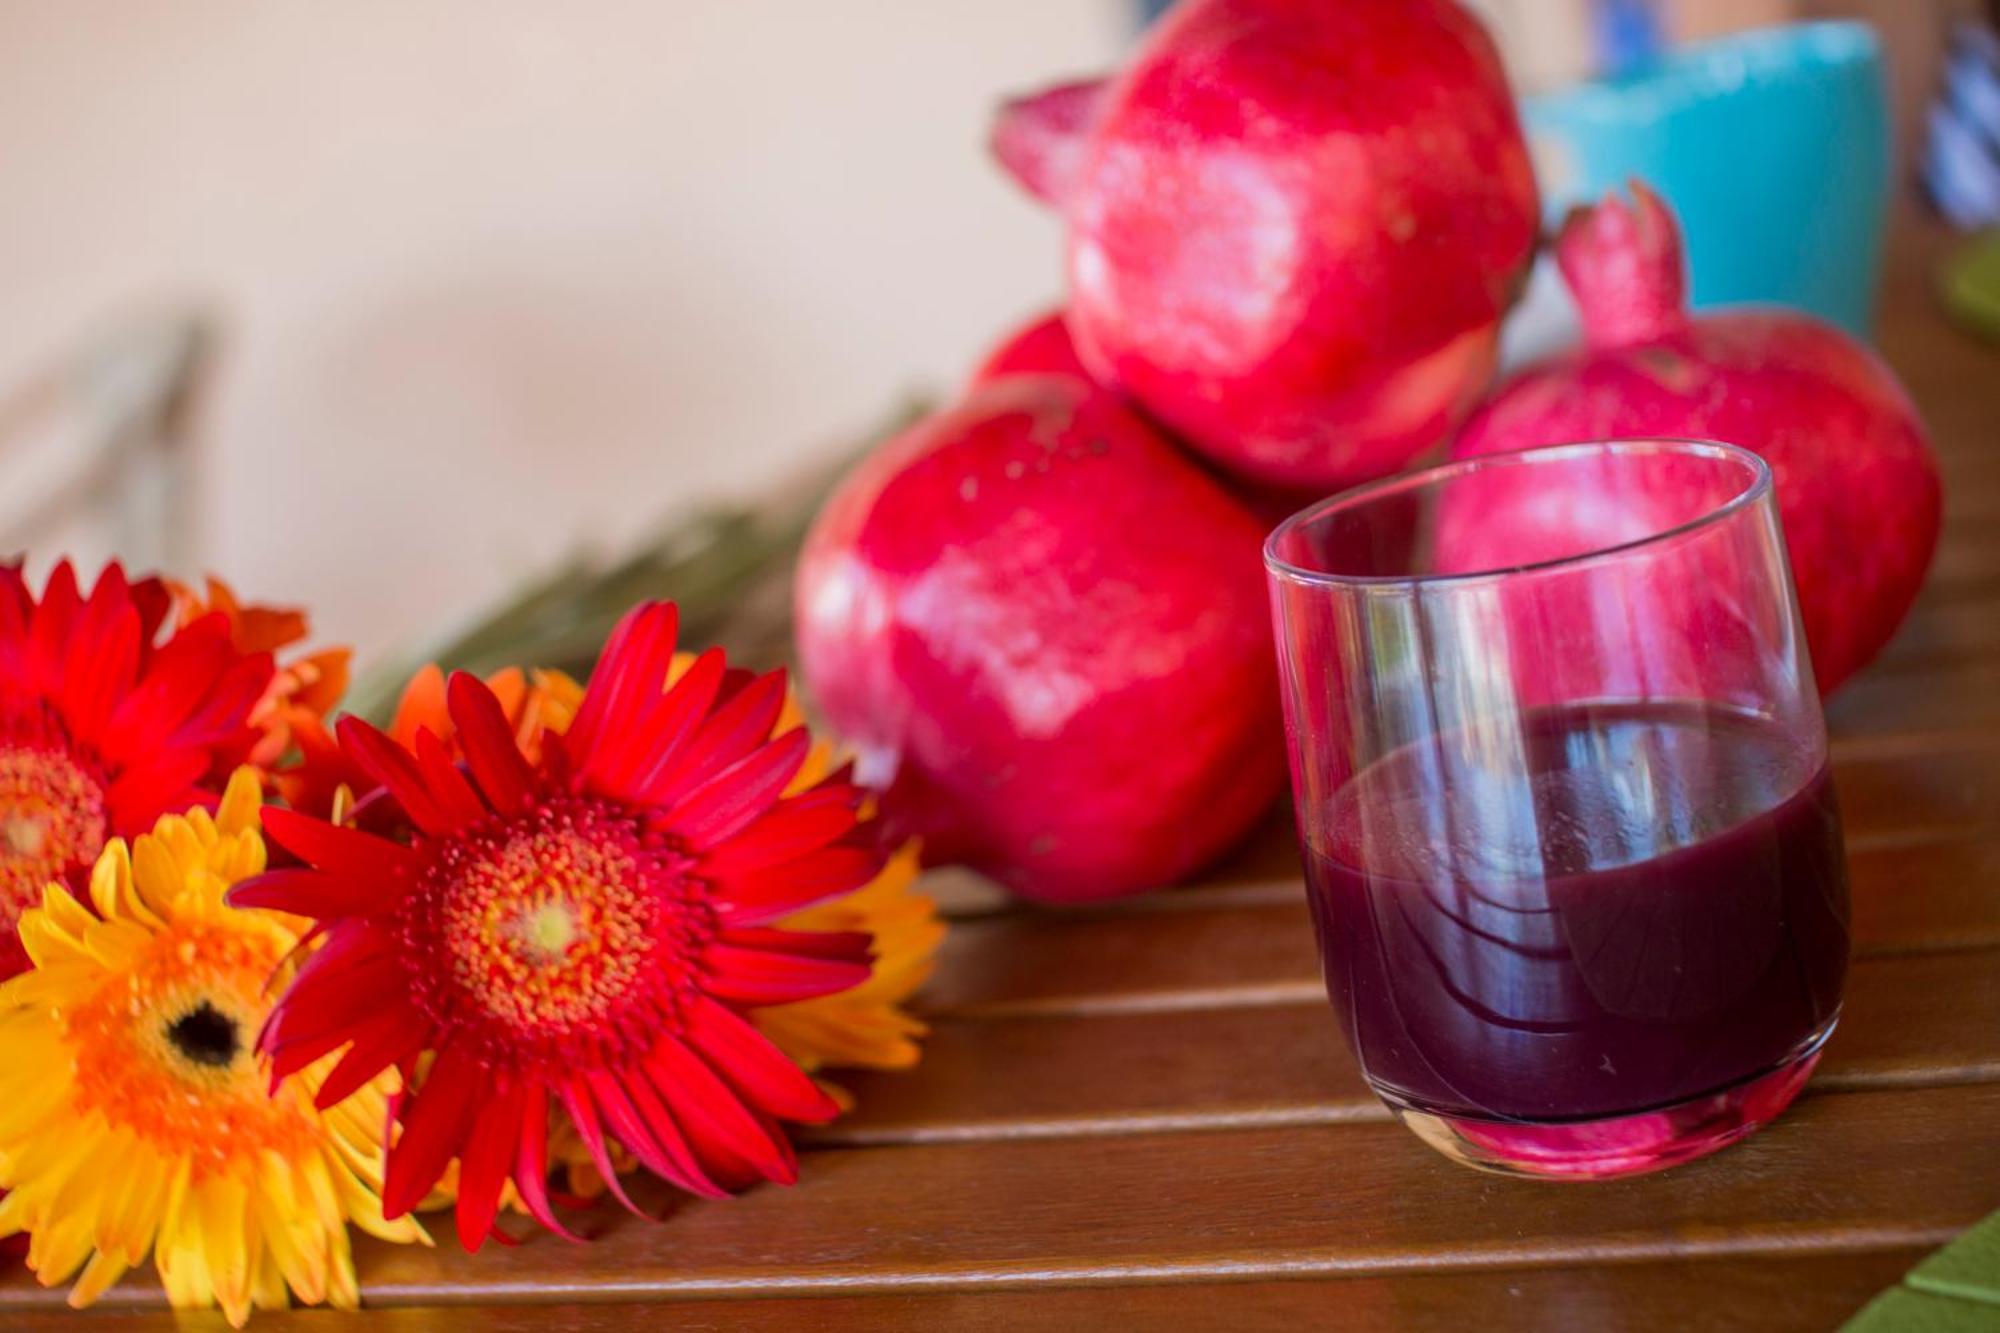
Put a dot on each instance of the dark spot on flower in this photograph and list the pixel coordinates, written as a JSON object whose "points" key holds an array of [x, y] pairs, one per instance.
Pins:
{"points": [[205, 1035]]}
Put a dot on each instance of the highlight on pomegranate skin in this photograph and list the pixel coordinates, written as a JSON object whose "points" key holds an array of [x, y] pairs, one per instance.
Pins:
{"points": [[585, 932], [1294, 227], [1857, 484]]}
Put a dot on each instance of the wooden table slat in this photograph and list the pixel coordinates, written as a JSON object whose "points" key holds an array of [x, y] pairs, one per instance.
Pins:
{"points": [[1767, 1293], [1285, 1063], [1852, 1171], [1254, 944], [1949, 788]]}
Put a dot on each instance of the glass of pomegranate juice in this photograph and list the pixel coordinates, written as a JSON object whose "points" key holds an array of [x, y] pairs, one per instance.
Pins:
{"points": [[1571, 846]]}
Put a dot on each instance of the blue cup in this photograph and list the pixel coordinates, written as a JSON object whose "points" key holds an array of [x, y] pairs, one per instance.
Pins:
{"points": [[1771, 145]]}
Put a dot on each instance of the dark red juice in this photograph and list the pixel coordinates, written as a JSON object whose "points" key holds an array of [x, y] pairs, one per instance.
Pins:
{"points": [[1620, 908]]}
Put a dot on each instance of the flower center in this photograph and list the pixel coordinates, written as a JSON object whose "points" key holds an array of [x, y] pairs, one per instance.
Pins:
{"points": [[567, 923], [548, 930], [162, 1051], [51, 821], [206, 1035]]}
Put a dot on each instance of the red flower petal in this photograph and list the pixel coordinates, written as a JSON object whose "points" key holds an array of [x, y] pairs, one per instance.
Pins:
{"points": [[103, 658], [491, 751], [16, 609], [727, 803], [793, 827], [531, 1163], [448, 787], [338, 850], [721, 1128], [434, 1126], [398, 1034], [624, 765], [49, 627], [631, 672], [756, 967], [318, 894], [396, 770], [766, 895], [735, 729], [221, 708], [486, 1163], [175, 682], [762, 1075], [656, 1141], [328, 1004], [582, 1108], [164, 784]]}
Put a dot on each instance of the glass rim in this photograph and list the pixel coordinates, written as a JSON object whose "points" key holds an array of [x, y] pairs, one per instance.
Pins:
{"points": [[1759, 486]]}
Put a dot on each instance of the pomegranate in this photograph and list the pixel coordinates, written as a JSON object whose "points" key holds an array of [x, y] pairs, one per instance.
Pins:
{"points": [[1293, 227], [1045, 633], [1042, 346], [1857, 486]]}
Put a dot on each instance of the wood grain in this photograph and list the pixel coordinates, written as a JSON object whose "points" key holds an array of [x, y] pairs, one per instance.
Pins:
{"points": [[1252, 944], [1873, 1170], [1046, 1075], [1777, 1293], [1946, 787]]}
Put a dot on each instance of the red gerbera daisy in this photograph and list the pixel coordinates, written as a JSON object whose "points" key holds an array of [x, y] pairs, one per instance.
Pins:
{"points": [[587, 927], [103, 728]]}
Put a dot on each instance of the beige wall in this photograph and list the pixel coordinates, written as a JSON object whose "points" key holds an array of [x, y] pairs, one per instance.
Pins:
{"points": [[503, 276]]}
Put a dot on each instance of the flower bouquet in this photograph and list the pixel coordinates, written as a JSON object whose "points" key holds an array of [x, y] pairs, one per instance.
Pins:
{"points": [[276, 975]]}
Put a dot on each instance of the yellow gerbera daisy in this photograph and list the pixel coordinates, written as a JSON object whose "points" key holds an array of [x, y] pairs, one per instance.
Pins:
{"points": [[134, 1115]]}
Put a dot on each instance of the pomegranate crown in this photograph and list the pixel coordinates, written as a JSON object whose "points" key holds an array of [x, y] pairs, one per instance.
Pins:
{"points": [[1039, 138], [1624, 268]]}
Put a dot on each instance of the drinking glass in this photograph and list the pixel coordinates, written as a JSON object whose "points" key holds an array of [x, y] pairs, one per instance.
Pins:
{"points": [[1572, 850]]}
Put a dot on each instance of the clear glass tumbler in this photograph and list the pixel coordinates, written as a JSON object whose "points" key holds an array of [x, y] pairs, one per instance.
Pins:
{"points": [[1571, 845]]}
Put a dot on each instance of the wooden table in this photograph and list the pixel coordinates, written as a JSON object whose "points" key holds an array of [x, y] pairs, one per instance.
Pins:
{"points": [[1142, 1115]]}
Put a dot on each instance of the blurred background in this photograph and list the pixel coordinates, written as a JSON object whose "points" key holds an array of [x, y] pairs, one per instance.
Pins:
{"points": [[383, 308]]}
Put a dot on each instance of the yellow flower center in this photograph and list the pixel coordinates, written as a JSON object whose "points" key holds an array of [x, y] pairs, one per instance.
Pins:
{"points": [[545, 925], [166, 1049], [562, 923], [51, 819], [548, 930]]}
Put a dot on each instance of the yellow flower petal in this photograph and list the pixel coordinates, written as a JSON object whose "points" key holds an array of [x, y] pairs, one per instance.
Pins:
{"points": [[242, 802], [124, 1131], [98, 1275]]}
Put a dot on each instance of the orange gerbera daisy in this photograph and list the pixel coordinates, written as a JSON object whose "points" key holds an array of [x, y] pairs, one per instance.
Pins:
{"points": [[587, 927], [105, 726]]}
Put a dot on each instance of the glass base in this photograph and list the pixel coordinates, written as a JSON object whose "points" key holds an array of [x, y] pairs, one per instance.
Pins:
{"points": [[1626, 1145]]}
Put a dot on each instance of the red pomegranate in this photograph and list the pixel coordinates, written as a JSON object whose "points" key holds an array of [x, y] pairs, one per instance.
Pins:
{"points": [[1045, 632], [1293, 227], [1040, 347], [1857, 485], [1044, 347]]}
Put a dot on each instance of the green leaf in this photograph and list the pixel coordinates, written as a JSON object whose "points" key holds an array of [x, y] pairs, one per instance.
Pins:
{"points": [[1956, 1290], [1901, 1310], [1968, 1268]]}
